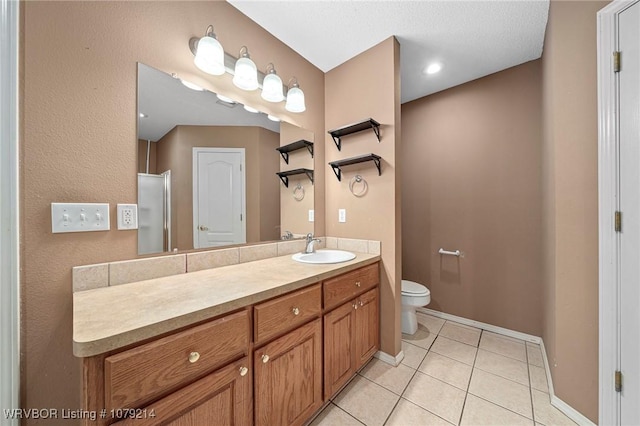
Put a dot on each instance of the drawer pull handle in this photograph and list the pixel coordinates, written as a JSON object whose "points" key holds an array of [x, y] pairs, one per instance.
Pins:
{"points": [[295, 311], [265, 358], [243, 371], [357, 283], [193, 357]]}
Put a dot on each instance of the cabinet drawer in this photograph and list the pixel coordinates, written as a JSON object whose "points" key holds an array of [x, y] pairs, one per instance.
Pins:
{"points": [[345, 287], [139, 375], [284, 313]]}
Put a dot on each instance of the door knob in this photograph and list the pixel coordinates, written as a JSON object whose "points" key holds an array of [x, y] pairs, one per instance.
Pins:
{"points": [[203, 228], [194, 357]]}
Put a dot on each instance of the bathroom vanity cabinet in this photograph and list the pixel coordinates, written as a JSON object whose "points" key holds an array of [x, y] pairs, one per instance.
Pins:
{"points": [[261, 364]]}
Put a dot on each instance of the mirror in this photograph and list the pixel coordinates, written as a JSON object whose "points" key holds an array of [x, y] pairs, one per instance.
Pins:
{"points": [[207, 170]]}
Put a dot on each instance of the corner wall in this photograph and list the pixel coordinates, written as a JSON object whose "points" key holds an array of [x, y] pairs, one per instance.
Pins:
{"points": [[471, 175], [79, 144], [571, 202], [375, 216]]}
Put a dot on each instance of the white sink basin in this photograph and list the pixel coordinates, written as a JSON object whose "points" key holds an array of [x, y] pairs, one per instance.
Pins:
{"points": [[324, 256]]}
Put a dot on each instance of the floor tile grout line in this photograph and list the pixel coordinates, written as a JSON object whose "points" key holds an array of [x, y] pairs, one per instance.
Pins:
{"points": [[533, 410], [506, 378], [466, 394], [500, 406], [402, 393], [347, 413]]}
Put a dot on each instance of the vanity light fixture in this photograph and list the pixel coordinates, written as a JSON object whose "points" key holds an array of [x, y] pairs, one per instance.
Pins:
{"points": [[295, 97], [192, 86], [433, 68], [246, 73], [272, 86], [210, 54], [251, 109], [225, 99], [273, 118]]}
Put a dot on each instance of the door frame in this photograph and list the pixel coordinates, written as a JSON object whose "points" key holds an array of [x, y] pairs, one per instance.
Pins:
{"points": [[608, 203], [9, 205], [243, 195]]}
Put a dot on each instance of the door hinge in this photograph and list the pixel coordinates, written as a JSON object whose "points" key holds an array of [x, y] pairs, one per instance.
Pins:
{"points": [[240, 217], [616, 61], [618, 381], [618, 222]]}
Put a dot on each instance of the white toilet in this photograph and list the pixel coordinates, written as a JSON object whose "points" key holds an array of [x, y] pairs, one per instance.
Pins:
{"points": [[414, 295]]}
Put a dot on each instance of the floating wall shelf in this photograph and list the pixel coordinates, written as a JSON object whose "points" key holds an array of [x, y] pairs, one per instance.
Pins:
{"points": [[284, 176], [293, 146], [369, 123], [336, 165]]}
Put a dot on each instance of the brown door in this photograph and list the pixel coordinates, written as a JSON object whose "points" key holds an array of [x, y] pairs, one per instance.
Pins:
{"points": [[288, 377], [367, 327], [339, 351], [221, 398]]}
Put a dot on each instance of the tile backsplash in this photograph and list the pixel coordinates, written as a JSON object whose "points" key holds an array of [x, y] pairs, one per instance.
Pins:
{"points": [[127, 271]]}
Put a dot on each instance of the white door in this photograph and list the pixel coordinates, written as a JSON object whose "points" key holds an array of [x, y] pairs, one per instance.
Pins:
{"points": [[629, 301], [218, 197]]}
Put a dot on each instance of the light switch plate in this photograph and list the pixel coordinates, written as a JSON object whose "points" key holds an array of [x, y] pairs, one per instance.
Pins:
{"points": [[79, 217], [342, 215], [127, 216], [311, 215]]}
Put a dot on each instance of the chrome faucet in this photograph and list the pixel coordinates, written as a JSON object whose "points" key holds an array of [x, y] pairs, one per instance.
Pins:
{"points": [[309, 244]]}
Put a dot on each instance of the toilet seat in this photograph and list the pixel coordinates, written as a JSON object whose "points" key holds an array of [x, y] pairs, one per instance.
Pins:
{"points": [[410, 288]]}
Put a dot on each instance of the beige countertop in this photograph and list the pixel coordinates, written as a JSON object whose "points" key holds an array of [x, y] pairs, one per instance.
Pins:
{"points": [[109, 318]]}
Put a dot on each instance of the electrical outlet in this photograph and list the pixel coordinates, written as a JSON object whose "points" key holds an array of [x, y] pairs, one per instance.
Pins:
{"points": [[342, 215], [127, 216], [79, 217], [311, 215]]}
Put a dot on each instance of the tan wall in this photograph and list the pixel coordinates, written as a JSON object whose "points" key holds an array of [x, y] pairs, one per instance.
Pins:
{"points": [[79, 144], [471, 181], [294, 215], [142, 157], [571, 205], [175, 153], [375, 216]]}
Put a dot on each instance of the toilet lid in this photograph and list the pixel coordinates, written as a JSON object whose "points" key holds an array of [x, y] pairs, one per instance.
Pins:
{"points": [[413, 288]]}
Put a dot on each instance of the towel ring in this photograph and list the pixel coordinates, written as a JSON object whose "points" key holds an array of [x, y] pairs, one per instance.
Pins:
{"points": [[298, 193], [358, 179]]}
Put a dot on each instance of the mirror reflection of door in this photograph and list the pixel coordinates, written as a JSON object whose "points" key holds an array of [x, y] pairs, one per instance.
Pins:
{"points": [[218, 197]]}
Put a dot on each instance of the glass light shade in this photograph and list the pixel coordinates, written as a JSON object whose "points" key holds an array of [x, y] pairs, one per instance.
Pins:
{"points": [[225, 99], [210, 56], [251, 109], [246, 74], [295, 100], [272, 88], [273, 118]]}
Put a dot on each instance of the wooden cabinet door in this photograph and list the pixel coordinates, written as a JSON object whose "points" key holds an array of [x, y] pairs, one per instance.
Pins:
{"points": [[221, 398], [288, 377], [367, 327], [339, 350]]}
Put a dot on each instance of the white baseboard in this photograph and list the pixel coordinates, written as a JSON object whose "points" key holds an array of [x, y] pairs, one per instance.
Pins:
{"points": [[565, 408], [390, 359], [484, 326]]}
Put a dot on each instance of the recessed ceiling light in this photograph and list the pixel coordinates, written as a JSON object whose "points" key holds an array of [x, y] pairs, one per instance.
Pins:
{"points": [[272, 118], [143, 115], [191, 85], [433, 68], [250, 109]]}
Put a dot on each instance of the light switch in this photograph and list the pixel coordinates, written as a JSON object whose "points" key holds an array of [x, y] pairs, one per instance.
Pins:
{"points": [[311, 215], [79, 217], [342, 215]]}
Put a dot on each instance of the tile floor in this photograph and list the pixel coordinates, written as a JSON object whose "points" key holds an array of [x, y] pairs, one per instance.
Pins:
{"points": [[451, 374]]}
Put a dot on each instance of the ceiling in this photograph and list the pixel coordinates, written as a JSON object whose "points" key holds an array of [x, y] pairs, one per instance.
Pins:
{"points": [[471, 39], [167, 102]]}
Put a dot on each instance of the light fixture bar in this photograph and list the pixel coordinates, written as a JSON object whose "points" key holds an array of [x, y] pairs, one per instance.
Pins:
{"points": [[230, 64]]}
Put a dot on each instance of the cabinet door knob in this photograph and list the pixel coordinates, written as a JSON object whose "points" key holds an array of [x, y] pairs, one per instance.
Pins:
{"points": [[203, 228], [265, 358], [361, 303], [243, 371], [193, 357], [355, 306], [357, 283], [295, 311]]}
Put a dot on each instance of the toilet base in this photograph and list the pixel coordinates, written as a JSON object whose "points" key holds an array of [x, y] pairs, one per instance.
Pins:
{"points": [[409, 320]]}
